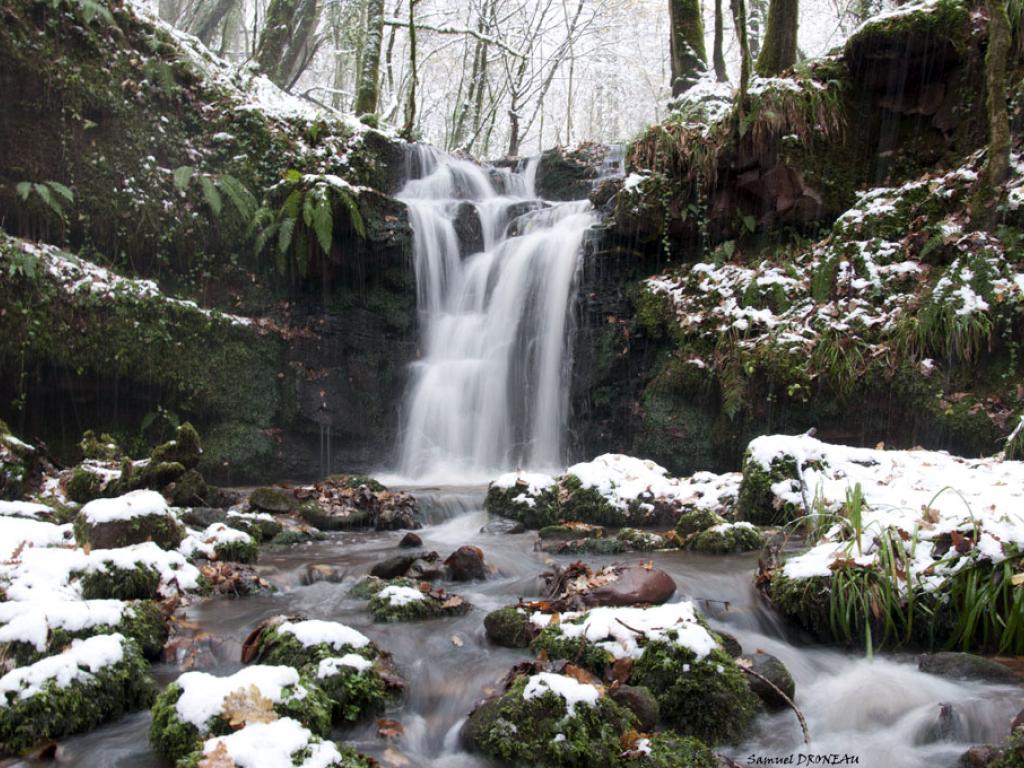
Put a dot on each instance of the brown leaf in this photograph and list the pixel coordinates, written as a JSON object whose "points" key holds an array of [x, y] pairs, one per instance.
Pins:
{"points": [[621, 670], [219, 758], [247, 705], [389, 728], [580, 675], [454, 601]]}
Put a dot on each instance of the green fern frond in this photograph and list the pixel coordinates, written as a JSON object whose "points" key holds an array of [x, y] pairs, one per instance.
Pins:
{"points": [[182, 177], [212, 196]]}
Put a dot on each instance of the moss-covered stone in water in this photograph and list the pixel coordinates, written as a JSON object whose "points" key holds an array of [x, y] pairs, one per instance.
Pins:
{"points": [[726, 538], [806, 601], [277, 647], [353, 693], [697, 520], [708, 699], [175, 738], [259, 528], [350, 758], [542, 732], [571, 532], [58, 711], [641, 541], [575, 649], [669, 750], [297, 536], [142, 621], [429, 606], [542, 512], [112, 583], [587, 505], [509, 627], [355, 481]]}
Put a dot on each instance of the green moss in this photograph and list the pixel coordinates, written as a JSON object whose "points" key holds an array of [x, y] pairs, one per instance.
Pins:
{"points": [[1012, 755], [56, 712], [756, 502], [237, 448], [569, 532], [708, 699], [238, 551], [354, 694], [185, 449], [697, 520], [84, 486], [669, 750], [641, 541], [162, 529], [737, 537], [175, 738], [587, 505], [296, 536], [541, 732], [556, 645], [368, 586], [356, 481], [113, 583], [541, 513], [142, 622], [102, 448], [509, 627], [350, 758], [283, 648], [430, 607]]}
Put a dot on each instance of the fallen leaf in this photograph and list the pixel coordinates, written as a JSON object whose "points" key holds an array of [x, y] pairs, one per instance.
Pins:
{"points": [[219, 758], [247, 705], [388, 728]]}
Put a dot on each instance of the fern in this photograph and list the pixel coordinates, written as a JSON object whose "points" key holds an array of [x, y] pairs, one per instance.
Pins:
{"points": [[306, 217], [212, 188], [90, 9], [49, 192], [211, 195]]}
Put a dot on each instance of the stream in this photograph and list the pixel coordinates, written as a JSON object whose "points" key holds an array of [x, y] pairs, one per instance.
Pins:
{"points": [[878, 711]]}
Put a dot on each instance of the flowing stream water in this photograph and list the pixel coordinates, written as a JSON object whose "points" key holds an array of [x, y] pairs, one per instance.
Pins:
{"points": [[488, 395]]}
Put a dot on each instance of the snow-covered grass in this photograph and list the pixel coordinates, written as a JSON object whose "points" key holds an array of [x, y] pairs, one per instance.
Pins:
{"points": [[927, 495]]}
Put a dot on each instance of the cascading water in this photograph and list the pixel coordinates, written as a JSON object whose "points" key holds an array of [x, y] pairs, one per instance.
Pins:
{"points": [[490, 390]]}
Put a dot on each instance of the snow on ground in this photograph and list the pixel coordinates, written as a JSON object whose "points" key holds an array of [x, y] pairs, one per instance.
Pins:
{"points": [[19, 533], [25, 509], [623, 632], [926, 494], [32, 622]]}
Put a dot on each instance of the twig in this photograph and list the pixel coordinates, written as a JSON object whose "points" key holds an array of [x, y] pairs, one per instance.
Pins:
{"points": [[789, 701]]}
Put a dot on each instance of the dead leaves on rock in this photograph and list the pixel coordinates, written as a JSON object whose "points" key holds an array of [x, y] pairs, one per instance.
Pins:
{"points": [[247, 705]]}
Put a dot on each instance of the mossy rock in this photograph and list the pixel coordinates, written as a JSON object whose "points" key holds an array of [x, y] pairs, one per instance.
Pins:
{"points": [[509, 627], [348, 757], [354, 693], [142, 621], [297, 536], [259, 528], [85, 702], [697, 520], [756, 503], [534, 511], [161, 528], [556, 645], [113, 583], [102, 448], [1012, 754], [587, 505], [727, 538], [175, 738], [351, 519], [385, 607], [281, 647], [274, 500], [84, 486], [185, 449], [772, 669], [189, 490], [638, 540], [368, 586], [708, 698], [807, 602], [357, 481], [571, 532], [670, 750], [610, 546], [247, 552], [543, 732]]}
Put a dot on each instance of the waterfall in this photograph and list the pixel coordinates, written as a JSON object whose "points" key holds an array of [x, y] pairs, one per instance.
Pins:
{"points": [[490, 390]]}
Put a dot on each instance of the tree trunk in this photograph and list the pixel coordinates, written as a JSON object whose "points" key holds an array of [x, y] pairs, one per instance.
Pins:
{"points": [[689, 57], [410, 105], [285, 43], [997, 162], [718, 54], [229, 32], [755, 26], [208, 18], [745, 60], [779, 52], [169, 10], [368, 91]]}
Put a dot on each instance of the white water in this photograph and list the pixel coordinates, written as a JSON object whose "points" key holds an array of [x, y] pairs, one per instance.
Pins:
{"points": [[489, 393]]}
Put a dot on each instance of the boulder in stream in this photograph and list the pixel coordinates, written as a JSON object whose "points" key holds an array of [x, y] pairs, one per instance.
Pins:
{"points": [[467, 564], [510, 627], [400, 603], [967, 666], [775, 672]]}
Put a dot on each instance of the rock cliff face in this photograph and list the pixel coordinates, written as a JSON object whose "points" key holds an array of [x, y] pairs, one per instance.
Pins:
{"points": [[815, 262], [165, 156]]}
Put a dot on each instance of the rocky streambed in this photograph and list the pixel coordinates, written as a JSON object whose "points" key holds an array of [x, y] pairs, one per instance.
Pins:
{"points": [[609, 616]]}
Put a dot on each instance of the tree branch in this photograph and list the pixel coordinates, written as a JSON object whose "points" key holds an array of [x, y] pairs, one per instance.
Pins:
{"points": [[448, 30]]}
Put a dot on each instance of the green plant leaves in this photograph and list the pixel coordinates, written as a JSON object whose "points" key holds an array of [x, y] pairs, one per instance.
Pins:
{"points": [[24, 189], [323, 223], [61, 190], [211, 195], [182, 177]]}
